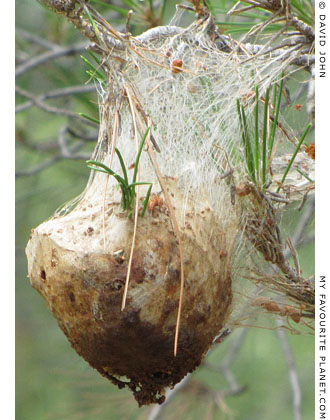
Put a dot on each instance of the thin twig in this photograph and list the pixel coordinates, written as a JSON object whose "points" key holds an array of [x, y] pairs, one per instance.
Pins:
{"points": [[39, 168], [225, 366], [302, 225], [292, 370], [50, 162], [153, 159], [48, 56], [178, 235], [65, 153], [52, 109], [292, 20], [304, 221], [157, 410], [113, 145], [63, 143], [83, 136], [294, 255], [28, 36], [57, 93], [136, 213]]}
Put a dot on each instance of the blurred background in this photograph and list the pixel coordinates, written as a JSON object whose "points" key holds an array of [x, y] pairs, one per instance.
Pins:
{"points": [[249, 375]]}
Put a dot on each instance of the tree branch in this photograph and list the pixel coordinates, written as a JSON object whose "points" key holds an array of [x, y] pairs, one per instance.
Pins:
{"points": [[284, 9], [35, 39], [105, 37], [57, 93], [52, 109], [292, 371], [64, 153], [48, 56], [157, 410]]}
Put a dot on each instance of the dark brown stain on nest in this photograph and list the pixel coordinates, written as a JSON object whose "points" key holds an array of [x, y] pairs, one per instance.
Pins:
{"points": [[123, 345], [72, 297], [137, 272], [119, 344], [153, 366]]}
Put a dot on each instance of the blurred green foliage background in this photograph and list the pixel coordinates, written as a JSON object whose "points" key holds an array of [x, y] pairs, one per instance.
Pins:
{"points": [[52, 381]]}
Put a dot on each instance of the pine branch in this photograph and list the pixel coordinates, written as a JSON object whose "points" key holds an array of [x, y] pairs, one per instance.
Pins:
{"points": [[47, 108], [57, 93], [48, 56], [104, 37], [283, 8]]}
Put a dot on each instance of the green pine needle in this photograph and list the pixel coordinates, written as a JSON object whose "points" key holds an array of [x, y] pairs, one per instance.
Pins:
{"points": [[304, 175], [256, 132], [264, 141], [258, 149], [88, 117], [294, 155], [277, 102], [92, 21], [95, 73], [246, 142], [128, 190]]}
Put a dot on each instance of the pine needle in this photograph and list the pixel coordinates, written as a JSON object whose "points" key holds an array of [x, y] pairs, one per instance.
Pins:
{"points": [[113, 146], [133, 112], [178, 235], [294, 156], [160, 178]]}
